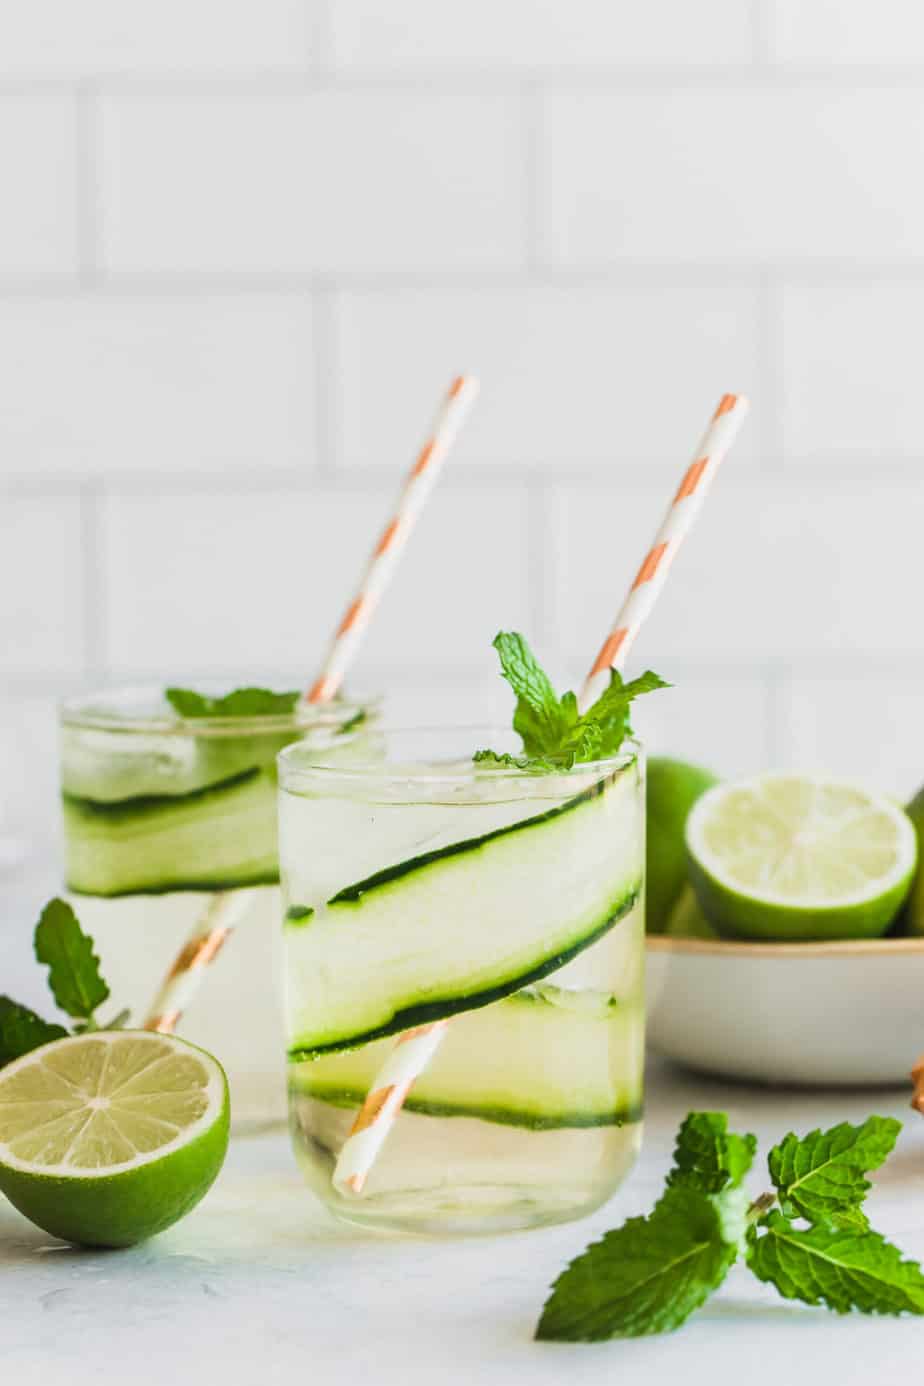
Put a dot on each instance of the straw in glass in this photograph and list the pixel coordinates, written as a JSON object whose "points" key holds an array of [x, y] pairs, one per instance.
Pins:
{"points": [[415, 1048], [226, 908]]}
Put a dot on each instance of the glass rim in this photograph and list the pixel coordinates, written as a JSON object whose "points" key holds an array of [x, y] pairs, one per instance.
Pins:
{"points": [[77, 711], [306, 760]]}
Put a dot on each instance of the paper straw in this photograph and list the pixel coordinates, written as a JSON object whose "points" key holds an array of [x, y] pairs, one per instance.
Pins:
{"points": [[682, 512], [417, 488], [415, 1049], [226, 908]]}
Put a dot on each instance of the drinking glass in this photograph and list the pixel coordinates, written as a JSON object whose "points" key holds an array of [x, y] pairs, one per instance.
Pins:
{"points": [[160, 812], [418, 885]]}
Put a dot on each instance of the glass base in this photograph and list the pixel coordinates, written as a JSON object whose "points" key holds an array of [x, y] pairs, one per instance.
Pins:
{"points": [[479, 1211], [463, 1177]]}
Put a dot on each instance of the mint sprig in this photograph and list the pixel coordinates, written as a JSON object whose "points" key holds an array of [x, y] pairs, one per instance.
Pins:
{"points": [[554, 733], [75, 982], [242, 702], [649, 1275]]}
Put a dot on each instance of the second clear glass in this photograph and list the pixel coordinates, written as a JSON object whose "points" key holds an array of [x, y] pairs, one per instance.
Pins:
{"points": [[159, 811]]}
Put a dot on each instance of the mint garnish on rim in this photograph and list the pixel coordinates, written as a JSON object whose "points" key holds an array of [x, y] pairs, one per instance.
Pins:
{"points": [[242, 702], [555, 734]]}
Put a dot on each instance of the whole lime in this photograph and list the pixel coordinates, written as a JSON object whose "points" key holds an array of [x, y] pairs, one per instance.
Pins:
{"points": [[912, 916], [673, 788]]}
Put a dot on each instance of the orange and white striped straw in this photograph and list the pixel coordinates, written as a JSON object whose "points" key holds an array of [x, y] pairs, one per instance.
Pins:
{"points": [[415, 1049], [682, 512], [420, 483], [226, 908]]}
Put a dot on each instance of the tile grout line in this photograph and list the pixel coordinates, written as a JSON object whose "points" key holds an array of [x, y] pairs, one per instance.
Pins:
{"points": [[536, 568], [93, 579], [643, 275], [322, 35], [769, 409], [325, 350], [87, 193], [815, 473], [762, 35], [530, 107], [321, 72], [775, 682]]}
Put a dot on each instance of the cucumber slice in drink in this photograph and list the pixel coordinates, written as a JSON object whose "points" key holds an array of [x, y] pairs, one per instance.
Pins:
{"points": [[525, 1061], [463, 925], [109, 768], [211, 840]]}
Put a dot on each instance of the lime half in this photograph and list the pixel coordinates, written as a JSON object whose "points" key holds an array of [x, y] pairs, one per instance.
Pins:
{"points": [[109, 1137], [795, 857]]}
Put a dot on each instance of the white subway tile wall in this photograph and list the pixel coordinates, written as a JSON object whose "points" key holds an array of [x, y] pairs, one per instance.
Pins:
{"points": [[245, 243], [162, 384]]}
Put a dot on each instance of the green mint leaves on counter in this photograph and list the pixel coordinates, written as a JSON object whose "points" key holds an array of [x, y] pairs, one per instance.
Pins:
{"points": [[243, 702], [820, 1177], [73, 967], [649, 1275], [841, 1269], [75, 982], [555, 734], [708, 1156]]}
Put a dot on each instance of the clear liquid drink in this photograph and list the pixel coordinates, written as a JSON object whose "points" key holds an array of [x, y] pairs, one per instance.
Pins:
{"points": [[418, 885], [159, 812]]}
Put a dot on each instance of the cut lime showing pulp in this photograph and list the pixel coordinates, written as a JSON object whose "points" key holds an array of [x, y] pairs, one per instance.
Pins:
{"points": [[795, 857], [109, 1137]]}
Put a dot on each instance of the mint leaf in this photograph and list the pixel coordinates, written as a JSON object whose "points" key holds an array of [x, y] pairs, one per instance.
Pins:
{"points": [[21, 1030], [73, 974], [610, 713], [708, 1156], [555, 736], [646, 1277], [243, 702], [539, 718], [820, 1176], [827, 1265]]}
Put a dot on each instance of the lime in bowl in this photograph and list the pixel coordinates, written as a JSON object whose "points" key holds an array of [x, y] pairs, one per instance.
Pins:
{"points": [[774, 967]]}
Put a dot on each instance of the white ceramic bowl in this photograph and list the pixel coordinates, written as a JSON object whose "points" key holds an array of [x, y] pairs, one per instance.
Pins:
{"points": [[823, 1014]]}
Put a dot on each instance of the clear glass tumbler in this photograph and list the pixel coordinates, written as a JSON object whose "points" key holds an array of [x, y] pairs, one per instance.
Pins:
{"points": [[159, 812], [418, 885]]}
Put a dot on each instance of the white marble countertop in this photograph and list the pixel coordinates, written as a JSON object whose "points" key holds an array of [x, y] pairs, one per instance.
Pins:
{"points": [[260, 1286]]}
